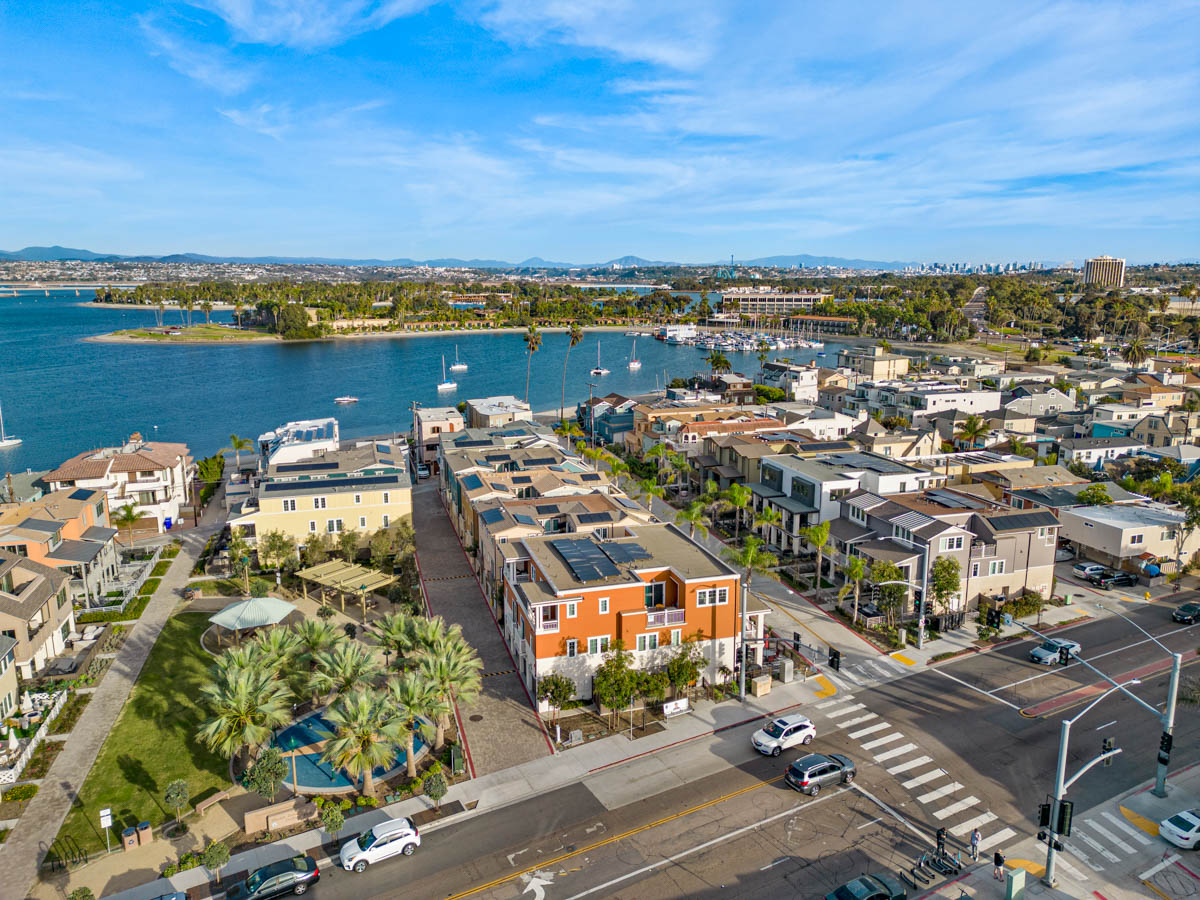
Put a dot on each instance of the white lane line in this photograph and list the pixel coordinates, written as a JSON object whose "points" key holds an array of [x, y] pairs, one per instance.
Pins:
{"points": [[965, 803], [963, 827], [845, 673], [682, 854], [858, 720], [1138, 836], [1108, 835], [1167, 861], [825, 704], [782, 859], [1103, 851], [997, 839], [922, 779], [910, 765], [944, 791], [892, 754], [1105, 725], [868, 824], [887, 739], [855, 735], [844, 711], [1083, 857], [977, 690]]}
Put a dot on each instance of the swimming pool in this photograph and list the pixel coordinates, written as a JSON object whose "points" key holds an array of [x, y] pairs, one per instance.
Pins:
{"points": [[316, 776]]}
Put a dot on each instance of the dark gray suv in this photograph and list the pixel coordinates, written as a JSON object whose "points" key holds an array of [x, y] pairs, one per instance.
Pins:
{"points": [[816, 770]]}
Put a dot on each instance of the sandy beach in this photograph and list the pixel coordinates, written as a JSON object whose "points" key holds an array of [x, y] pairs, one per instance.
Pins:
{"points": [[113, 337]]}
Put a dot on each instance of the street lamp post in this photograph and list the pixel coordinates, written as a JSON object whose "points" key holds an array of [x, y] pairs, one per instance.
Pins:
{"points": [[924, 548]]}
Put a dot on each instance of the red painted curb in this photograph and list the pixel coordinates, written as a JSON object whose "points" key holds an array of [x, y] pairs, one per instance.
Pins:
{"points": [[1075, 696], [1007, 643]]}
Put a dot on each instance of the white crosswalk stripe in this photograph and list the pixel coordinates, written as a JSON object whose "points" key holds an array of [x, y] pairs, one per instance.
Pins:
{"points": [[1138, 836], [965, 827], [923, 779], [1083, 857], [953, 808], [1068, 868], [858, 720], [855, 735], [910, 765], [997, 839], [892, 754], [845, 673], [844, 711], [825, 704], [1104, 832], [886, 739], [1103, 851], [944, 791], [882, 670]]}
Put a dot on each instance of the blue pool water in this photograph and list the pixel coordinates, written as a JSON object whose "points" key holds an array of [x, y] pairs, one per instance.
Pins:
{"points": [[315, 775]]}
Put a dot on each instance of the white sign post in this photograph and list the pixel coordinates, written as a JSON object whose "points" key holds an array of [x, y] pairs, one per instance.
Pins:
{"points": [[106, 824]]}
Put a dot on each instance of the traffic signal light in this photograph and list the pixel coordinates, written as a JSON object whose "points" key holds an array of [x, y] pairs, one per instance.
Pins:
{"points": [[1044, 816], [928, 608], [835, 659], [1107, 747], [1064, 656], [1065, 809], [993, 618], [1166, 742], [941, 840]]}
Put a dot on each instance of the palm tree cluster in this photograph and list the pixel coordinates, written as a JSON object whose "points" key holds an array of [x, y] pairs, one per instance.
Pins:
{"points": [[373, 708]]}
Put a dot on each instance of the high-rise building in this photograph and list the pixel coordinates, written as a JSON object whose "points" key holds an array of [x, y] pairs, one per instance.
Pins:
{"points": [[1106, 271]]}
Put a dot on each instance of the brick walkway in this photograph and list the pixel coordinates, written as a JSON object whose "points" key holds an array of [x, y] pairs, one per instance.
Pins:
{"points": [[31, 839], [500, 726]]}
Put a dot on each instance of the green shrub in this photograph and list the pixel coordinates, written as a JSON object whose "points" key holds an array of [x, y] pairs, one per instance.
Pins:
{"points": [[148, 589], [134, 610], [170, 870], [160, 568], [259, 587], [345, 804]]}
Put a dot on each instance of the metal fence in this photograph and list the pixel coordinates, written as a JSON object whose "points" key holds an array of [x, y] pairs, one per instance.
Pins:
{"points": [[129, 587]]}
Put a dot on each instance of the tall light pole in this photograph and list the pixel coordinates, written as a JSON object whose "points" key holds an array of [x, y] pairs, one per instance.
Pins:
{"points": [[924, 548]]}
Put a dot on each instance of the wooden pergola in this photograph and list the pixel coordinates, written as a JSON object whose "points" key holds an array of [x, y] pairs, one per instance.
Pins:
{"points": [[344, 579]]}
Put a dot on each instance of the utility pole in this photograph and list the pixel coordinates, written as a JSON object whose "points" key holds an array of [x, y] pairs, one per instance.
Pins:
{"points": [[1168, 726], [742, 643]]}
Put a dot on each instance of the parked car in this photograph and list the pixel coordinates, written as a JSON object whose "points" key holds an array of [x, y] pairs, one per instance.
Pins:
{"points": [[878, 886], [422, 470], [1046, 653], [1188, 614], [783, 733], [1062, 554], [380, 842], [868, 610], [288, 876], [1182, 829], [1084, 569], [810, 773], [1111, 578]]}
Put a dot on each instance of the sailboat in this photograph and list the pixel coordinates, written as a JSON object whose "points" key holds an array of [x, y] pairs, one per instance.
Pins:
{"points": [[445, 385], [6, 440], [599, 370], [634, 362], [457, 366]]}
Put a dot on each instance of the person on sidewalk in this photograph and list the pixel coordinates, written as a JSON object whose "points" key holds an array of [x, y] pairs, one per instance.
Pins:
{"points": [[998, 862], [976, 837]]}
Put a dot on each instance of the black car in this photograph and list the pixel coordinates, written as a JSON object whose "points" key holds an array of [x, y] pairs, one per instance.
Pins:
{"points": [[1188, 614], [814, 771], [1110, 578], [288, 876], [880, 886]]}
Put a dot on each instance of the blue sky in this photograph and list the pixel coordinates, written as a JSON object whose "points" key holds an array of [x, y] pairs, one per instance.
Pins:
{"points": [[580, 130]]}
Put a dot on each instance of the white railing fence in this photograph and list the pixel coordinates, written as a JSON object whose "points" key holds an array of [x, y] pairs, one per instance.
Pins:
{"points": [[11, 774]]}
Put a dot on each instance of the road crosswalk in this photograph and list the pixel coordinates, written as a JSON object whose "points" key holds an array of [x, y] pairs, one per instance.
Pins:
{"points": [[866, 673]]}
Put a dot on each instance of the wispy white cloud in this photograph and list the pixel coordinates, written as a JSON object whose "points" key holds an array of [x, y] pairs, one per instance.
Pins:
{"points": [[208, 64], [263, 118], [307, 24]]}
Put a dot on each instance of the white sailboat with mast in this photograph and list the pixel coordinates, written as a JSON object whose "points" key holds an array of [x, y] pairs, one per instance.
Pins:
{"points": [[634, 362], [457, 366], [599, 370], [6, 440], [445, 384]]}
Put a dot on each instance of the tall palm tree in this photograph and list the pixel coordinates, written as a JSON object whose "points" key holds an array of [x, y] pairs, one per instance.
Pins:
{"points": [[738, 496], [364, 737], [1135, 354], [276, 649], [718, 362], [533, 342], [694, 515], [648, 488], [818, 536], [855, 570], [768, 518], [454, 673], [126, 517], [237, 445], [568, 430], [574, 336], [238, 305], [206, 307], [246, 705], [414, 701], [658, 453], [750, 558], [341, 669], [399, 634], [971, 430], [679, 465]]}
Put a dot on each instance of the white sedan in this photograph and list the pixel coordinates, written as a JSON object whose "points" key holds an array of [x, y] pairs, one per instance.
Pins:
{"points": [[1182, 829], [782, 733]]}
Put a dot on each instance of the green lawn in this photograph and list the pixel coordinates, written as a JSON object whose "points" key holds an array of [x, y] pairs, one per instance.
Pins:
{"points": [[214, 333], [153, 742]]}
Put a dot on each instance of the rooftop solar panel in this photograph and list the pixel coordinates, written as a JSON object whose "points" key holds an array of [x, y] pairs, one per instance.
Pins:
{"points": [[954, 501], [492, 516], [80, 494], [305, 467], [547, 509], [524, 519], [624, 553], [522, 479], [591, 517], [586, 561], [472, 482], [1022, 521], [590, 476], [627, 503]]}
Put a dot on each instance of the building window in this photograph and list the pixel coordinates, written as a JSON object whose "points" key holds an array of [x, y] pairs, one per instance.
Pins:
{"points": [[362, 521], [357, 499], [387, 520], [603, 606], [656, 593], [952, 543], [62, 598], [857, 515], [647, 641], [974, 570], [838, 493], [333, 526], [1168, 534], [572, 610], [676, 637], [996, 567], [903, 533], [386, 498], [289, 505], [712, 597], [1043, 531], [597, 645], [1136, 538], [318, 502], [312, 525], [572, 648]]}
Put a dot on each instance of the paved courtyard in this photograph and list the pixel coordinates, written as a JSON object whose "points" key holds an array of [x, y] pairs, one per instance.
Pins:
{"points": [[501, 727]]}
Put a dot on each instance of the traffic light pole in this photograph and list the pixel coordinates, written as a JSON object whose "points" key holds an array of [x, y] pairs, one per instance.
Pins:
{"points": [[1168, 726], [1060, 788]]}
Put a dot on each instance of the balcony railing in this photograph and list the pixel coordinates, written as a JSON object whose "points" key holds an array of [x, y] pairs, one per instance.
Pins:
{"points": [[664, 617], [547, 627], [983, 551]]}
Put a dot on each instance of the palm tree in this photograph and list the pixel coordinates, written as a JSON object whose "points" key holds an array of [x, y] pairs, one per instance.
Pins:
{"points": [[693, 514], [971, 430], [454, 673], [679, 465], [237, 311], [206, 307], [237, 445], [126, 517], [364, 736], [413, 700], [738, 496], [1135, 354], [751, 558], [718, 362], [764, 350], [275, 649], [769, 518], [189, 303], [533, 341], [247, 703], [818, 536], [855, 570], [398, 633], [658, 453], [574, 336], [568, 431], [651, 488], [342, 668]]}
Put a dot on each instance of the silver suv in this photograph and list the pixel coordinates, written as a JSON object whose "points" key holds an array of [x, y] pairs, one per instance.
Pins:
{"points": [[814, 771]]}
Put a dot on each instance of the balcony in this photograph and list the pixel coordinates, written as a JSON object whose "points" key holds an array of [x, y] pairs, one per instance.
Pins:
{"points": [[663, 618], [548, 627], [983, 551]]}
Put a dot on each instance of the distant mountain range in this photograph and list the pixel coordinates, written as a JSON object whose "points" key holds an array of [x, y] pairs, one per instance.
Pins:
{"points": [[55, 253]]}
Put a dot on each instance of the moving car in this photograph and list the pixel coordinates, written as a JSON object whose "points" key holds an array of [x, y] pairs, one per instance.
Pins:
{"points": [[1182, 829], [1084, 569], [288, 876], [1046, 653], [810, 773], [879, 886], [1110, 578], [782, 733], [1188, 614], [380, 842]]}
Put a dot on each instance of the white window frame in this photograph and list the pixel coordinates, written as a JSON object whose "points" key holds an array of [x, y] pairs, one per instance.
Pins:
{"points": [[996, 567], [362, 521], [334, 526], [712, 597], [974, 570], [572, 609], [387, 520], [648, 641], [1139, 538], [676, 637], [598, 645], [603, 606], [386, 497], [289, 504], [858, 515], [357, 499], [318, 502], [955, 542], [572, 648], [312, 526]]}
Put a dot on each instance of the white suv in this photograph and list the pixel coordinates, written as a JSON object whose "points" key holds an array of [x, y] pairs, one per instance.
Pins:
{"points": [[784, 732], [380, 842]]}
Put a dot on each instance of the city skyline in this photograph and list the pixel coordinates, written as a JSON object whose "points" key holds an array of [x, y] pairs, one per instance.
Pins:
{"points": [[504, 131]]}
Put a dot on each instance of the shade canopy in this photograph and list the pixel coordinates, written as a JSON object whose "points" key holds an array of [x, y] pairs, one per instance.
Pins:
{"points": [[344, 576], [253, 613]]}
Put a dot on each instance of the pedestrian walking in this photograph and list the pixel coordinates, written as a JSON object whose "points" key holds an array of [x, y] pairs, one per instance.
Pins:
{"points": [[998, 862], [976, 837]]}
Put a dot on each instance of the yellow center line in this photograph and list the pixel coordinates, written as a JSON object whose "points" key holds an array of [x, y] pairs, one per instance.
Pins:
{"points": [[613, 839]]}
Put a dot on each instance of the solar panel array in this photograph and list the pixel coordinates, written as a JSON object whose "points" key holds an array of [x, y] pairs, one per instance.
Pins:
{"points": [[588, 518], [547, 509], [954, 501], [586, 561], [624, 553], [81, 494], [590, 476], [522, 479], [305, 467]]}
